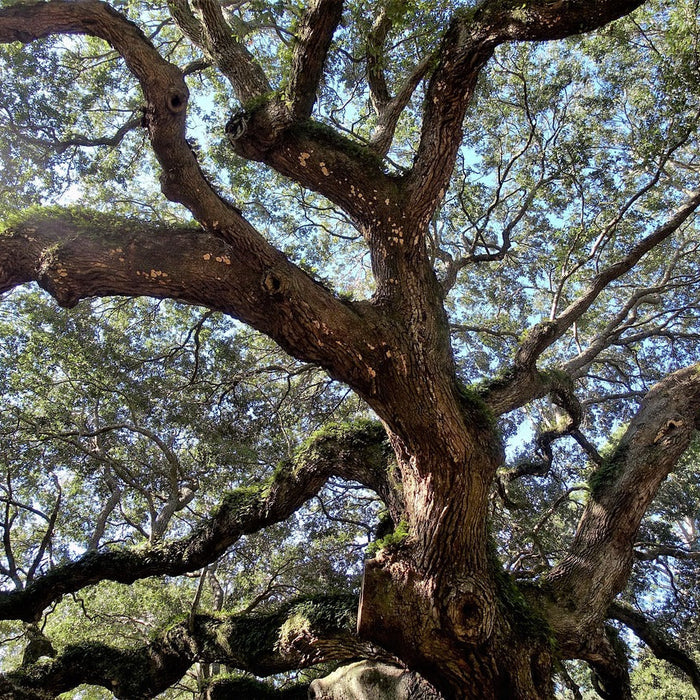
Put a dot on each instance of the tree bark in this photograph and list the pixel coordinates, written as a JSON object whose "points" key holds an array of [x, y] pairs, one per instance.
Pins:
{"points": [[437, 598]]}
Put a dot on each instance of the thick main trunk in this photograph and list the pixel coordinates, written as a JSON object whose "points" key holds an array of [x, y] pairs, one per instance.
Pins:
{"points": [[472, 638], [437, 598]]}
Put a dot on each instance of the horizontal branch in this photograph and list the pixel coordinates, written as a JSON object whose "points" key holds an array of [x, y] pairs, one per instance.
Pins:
{"points": [[651, 552], [355, 452], [74, 255], [300, 634]]}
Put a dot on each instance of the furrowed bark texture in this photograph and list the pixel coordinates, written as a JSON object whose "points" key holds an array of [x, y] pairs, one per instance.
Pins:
{"points": [[437, 600]]}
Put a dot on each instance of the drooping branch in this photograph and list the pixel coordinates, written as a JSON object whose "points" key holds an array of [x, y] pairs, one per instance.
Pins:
{"points": [[657, 640], [300, 634], [355, 452], [601, 555]]}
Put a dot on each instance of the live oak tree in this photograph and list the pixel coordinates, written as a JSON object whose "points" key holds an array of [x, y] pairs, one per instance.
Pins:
{"points": [[467, 215]]}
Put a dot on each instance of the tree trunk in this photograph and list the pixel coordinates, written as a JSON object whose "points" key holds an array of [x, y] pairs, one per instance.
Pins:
{"points": [[438, 598], [472, 638]]}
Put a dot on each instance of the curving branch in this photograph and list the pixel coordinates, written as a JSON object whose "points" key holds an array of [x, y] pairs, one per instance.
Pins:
{"points": [[661, 646], [355, 452], [600, 557], [299, 634]]}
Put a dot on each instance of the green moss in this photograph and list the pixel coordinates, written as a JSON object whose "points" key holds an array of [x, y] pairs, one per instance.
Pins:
{"points": [[475, 407], [393, 540], [242, 499], [328, 613], [323, 133], [607, 473], [80, 217], [556, 378], [261, 101], [523, 618], [323, 443]]}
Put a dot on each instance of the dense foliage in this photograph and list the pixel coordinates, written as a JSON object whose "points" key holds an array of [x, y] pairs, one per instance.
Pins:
{"points": [[203, 466]]}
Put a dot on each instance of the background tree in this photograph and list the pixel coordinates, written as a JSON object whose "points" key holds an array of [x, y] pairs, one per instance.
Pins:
{"points": [[477, 221]]}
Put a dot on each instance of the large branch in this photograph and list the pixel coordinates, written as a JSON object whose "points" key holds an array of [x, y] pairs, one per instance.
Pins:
{"points": [[600, 557], [232, 58], [661, 646], [353, 452], [523, 383], [300, 634], [467, 46], [77, 255]]}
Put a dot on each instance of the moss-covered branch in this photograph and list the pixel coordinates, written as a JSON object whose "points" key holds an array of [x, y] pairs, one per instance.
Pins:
{"points": [[352, 451], [601, 555], [300, 634]]}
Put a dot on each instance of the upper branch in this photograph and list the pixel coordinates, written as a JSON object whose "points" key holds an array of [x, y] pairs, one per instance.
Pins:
{"points": [[313, 39], [232, 58], [353, 452], [467, 46]]}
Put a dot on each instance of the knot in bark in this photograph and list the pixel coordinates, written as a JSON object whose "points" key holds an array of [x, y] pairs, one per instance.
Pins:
{"points": [[471, 610]]}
